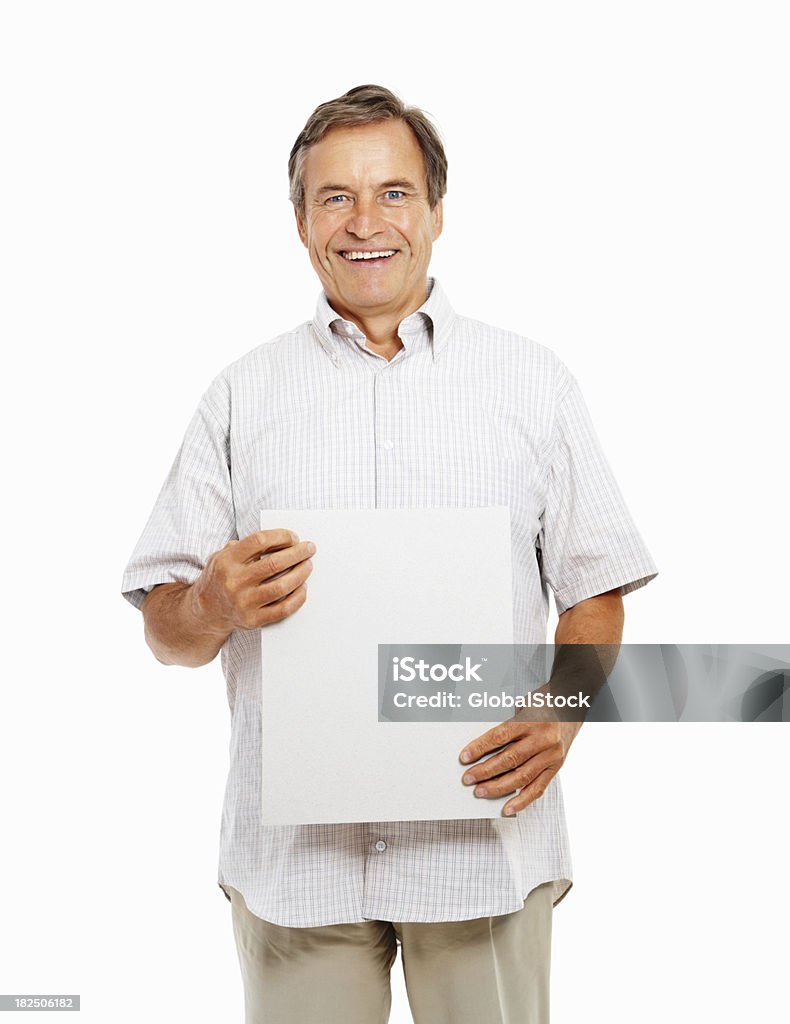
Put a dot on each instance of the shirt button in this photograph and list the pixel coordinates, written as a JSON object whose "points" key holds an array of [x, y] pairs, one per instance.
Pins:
{"points": [[387, 446], [381, 846]]}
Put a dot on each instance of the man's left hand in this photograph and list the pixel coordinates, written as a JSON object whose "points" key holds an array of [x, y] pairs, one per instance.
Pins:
{"points": [[528, 756]]}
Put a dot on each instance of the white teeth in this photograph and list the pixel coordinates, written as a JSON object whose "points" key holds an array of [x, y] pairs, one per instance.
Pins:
{"points": [[368, 255]]}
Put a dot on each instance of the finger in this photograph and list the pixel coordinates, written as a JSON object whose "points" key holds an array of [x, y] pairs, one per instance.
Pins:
{"points": [[274, 563], [261, 541], [523, 775], [274, 590], [508, 759], [279, 610], [489, 741], [529, 793], [495, 738]]}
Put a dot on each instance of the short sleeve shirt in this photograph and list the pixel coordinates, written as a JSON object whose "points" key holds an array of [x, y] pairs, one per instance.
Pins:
{"points": [[464, 415]]}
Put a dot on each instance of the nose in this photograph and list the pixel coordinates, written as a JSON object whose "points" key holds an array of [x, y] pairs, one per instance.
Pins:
{"points": [[365, 218]]}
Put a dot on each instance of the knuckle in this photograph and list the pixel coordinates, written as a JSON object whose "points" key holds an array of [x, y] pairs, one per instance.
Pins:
{"points": [[269, 565], [223, 573], [285, 608], [278, 612], [523, 777], [278, 588], [281, 609], [511, 760]]}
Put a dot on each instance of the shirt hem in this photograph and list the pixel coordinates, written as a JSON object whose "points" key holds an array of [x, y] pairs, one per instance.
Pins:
{"points": [[562, 886]]}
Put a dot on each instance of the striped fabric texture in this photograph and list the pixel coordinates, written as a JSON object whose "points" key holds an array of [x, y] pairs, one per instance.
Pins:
{"points": [[465, 415]]}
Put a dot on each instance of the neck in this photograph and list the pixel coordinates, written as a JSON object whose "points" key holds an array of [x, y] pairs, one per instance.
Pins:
{"points": [[381, 327], [381, 333]]}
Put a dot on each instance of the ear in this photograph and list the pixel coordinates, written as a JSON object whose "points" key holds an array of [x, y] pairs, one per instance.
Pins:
{"points": [[437, 219], [301, 227]]}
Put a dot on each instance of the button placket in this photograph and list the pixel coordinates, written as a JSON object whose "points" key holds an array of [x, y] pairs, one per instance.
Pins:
{"points": [[385, 422]]}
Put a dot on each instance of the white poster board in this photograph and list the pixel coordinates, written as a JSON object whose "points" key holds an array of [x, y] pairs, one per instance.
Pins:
{"points": [[382, 576]]}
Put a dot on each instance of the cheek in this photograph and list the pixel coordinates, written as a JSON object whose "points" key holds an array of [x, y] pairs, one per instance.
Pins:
{"points": [[422, 234], [318, 246], [320, 234], [422, 242]]}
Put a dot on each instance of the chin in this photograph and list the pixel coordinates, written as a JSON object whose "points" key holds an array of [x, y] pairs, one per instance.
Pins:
{"points": [[368, 297]]}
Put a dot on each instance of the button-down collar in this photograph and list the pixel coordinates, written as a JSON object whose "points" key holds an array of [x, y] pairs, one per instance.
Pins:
{"points": [[436, 313]]}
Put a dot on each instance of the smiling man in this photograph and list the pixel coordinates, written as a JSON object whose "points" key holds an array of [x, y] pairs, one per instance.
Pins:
{"points": [[368, 222], [386, 398]]}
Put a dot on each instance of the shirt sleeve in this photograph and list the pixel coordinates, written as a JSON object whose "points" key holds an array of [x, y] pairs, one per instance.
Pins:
{"points": [[588, 543], [194, 514]]}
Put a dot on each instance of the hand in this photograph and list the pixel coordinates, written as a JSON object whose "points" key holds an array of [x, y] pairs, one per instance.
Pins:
{"points": [[531, 754], [253, 582]]}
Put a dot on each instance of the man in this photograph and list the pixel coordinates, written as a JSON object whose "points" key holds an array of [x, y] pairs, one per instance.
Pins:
{"points": [[386, 398]]}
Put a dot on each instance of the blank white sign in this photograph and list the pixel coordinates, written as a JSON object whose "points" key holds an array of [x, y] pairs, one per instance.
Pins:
{"points": [[380, 576]]}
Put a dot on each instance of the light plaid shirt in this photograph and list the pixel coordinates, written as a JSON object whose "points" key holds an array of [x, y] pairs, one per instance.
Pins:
{"points": [[465, 415]]}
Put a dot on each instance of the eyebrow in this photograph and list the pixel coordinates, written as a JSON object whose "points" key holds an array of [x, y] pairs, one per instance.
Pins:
{"points": [[400, 183]]}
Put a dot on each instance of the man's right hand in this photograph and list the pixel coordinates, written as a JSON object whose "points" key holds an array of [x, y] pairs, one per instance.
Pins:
{"points": [[253, 582], [247, 584]]}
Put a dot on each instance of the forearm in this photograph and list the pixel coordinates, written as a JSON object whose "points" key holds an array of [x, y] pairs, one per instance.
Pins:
{"points": [[587, 642], [529, 749], [176, 629], [598, 620]]}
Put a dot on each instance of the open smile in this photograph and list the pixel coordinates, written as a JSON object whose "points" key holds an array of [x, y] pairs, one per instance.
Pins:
{"points": [[367, 256]]}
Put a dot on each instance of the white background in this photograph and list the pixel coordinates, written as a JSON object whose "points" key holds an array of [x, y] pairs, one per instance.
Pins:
{"points": [[617, 191]]}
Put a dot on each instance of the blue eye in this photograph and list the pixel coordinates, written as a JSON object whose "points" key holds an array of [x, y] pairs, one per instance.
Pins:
{"points": [[335, 199], [394, 193]]}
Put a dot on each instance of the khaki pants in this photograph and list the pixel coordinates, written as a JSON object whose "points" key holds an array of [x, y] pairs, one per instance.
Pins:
{"points": [[492, 970]]}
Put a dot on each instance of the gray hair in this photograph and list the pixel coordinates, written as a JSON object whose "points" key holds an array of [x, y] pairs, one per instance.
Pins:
{"points": [[369, 104]]}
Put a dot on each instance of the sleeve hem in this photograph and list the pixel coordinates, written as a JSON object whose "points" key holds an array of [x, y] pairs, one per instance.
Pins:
{"points": [[581, 590], [136, 585]]}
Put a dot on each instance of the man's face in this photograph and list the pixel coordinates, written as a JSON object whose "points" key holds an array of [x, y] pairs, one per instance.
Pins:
{"points": [[365, 192]]}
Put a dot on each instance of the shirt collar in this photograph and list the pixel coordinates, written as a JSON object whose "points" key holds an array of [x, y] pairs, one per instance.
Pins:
{"points": [[436, 310]]}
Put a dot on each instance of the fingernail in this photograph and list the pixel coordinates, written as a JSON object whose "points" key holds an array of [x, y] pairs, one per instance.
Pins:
{"points": [[311, 548], [466, 756], [481, 791], [509, 812], [468, 780]]}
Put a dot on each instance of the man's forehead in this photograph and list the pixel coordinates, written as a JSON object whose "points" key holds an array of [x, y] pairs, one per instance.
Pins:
{"points": [[385, 150]]}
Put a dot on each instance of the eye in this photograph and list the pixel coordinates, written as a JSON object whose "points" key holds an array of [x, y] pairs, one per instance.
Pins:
{"points": [[394, 194], [336, 200]]}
